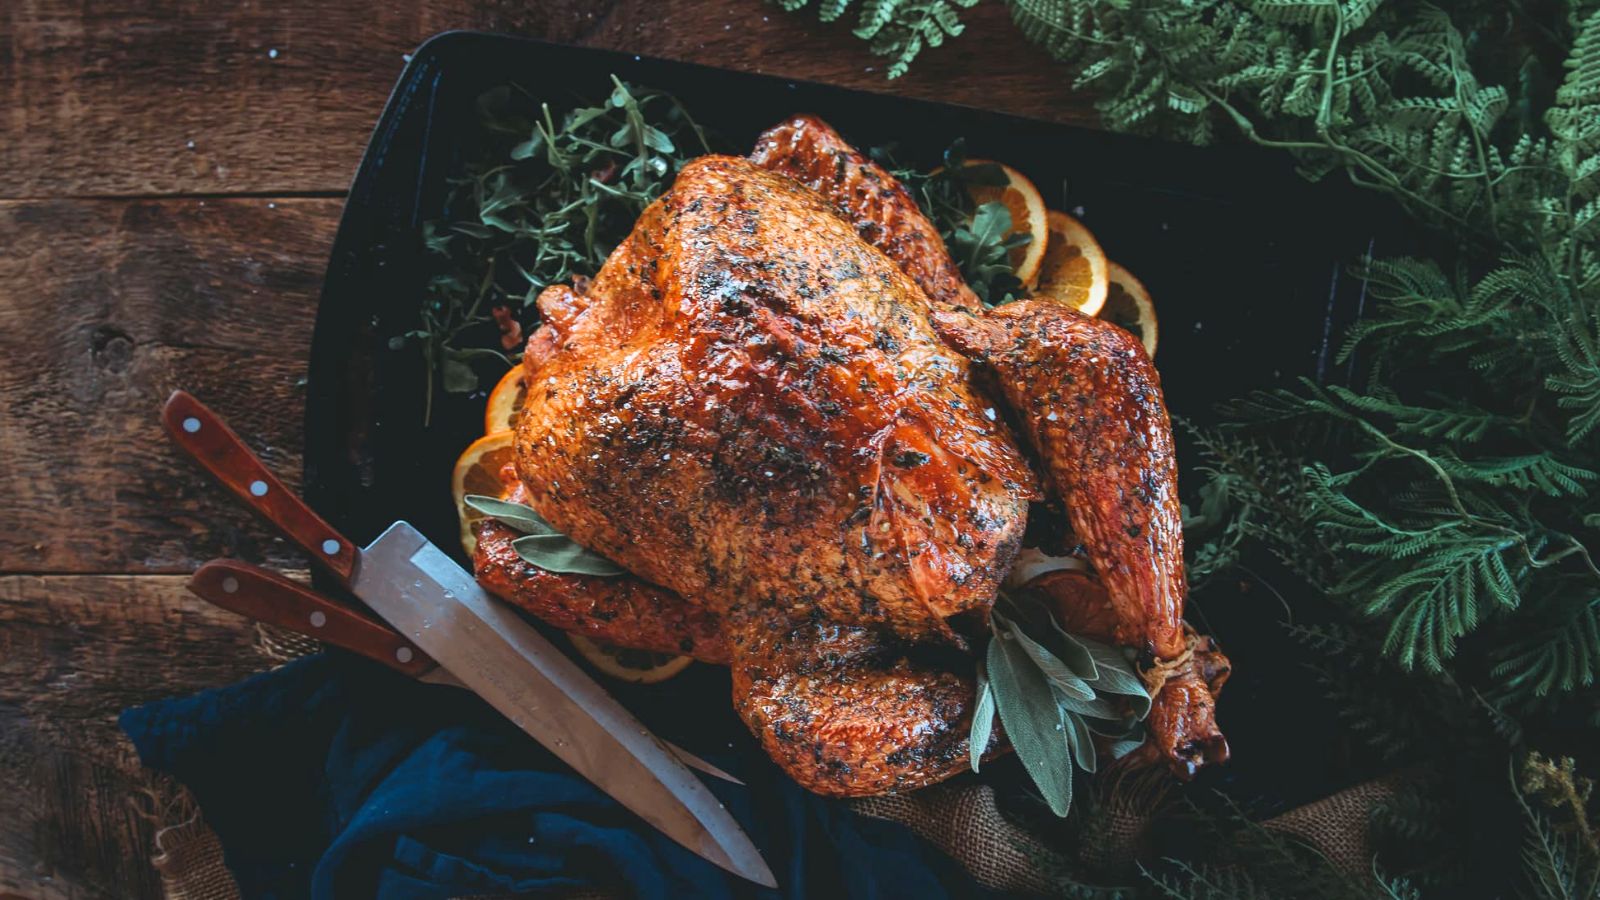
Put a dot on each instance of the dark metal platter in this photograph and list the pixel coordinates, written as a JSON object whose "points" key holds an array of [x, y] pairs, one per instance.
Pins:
{"points": [[1246, 300]]}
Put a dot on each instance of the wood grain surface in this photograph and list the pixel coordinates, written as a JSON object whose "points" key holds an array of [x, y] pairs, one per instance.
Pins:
{"points": [[74, 651], [171, 175], [167, 97], [106, 306]]}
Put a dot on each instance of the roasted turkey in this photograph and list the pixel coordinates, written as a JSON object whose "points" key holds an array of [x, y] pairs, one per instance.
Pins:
{"points": [[782, 411]]}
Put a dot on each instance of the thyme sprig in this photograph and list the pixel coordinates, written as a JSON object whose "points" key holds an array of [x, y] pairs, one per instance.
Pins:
{"points": [[552, 196]]}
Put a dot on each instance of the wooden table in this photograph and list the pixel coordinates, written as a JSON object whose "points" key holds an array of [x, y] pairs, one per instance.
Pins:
{"points": [[171, 176]]}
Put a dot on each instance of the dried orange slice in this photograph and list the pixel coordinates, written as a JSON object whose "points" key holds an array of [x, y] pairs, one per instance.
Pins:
{"points": [[1128, 304], [478, 472], [637, 666], [1075, 268], [1028, 217], [506, 400]]}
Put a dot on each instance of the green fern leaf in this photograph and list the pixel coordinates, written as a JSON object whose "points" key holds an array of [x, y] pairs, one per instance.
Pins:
{"points": [[1565, 657], [1578, 350], [875, 15], [1431, 606], [1535, 472], [1296, 12], [831, 10]]}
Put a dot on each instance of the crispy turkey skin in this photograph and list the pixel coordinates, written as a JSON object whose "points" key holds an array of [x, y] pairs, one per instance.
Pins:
{"points": [[780, 409], [750, 405]]}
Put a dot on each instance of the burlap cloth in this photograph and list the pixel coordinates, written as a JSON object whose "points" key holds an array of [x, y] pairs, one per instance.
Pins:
{"points": [[963, 820]]}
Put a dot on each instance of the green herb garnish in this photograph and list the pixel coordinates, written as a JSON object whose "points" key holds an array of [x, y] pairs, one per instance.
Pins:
{"points": [[541, 544], [1054, 692], [975, 234], [552, 197]]}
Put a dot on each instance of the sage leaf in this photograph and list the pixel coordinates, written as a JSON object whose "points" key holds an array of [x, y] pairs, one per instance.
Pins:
{"points": [[1032, 719], [519, 516], [559, 553], [1116, 729], [1097, 708], [1081, 743], [982, 718], [1041, 624], [1071, 651], [1116, 674], [541, 544], [1046, 662], [1119, 749], [1053, 692]]}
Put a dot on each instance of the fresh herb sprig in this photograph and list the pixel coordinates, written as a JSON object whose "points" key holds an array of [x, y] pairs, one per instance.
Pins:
{"points": [[553, 195], [1058, 696], [975, 234], [541, 544]]}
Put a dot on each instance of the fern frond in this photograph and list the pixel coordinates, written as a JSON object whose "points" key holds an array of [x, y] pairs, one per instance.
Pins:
{"points": [[875, 14], [1574, 120], [897, 29], [1296, 12], [1435, 500], [1559, 658], [1431, 581], [1578, 349], [1531, 472]]}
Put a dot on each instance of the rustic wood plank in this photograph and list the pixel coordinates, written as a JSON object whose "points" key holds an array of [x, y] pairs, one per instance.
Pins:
{"points": [[74, 651], [165, 96], [106, 305], [105, 308]]}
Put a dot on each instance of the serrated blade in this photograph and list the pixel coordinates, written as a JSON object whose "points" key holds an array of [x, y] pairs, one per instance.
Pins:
{"points": [[425, 595]]}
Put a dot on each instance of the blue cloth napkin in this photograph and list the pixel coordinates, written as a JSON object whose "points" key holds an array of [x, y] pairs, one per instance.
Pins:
{"points": [[335, 778]]}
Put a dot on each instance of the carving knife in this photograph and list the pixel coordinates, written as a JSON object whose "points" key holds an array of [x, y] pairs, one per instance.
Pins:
{"points": [[266, 596], [437, 605]]}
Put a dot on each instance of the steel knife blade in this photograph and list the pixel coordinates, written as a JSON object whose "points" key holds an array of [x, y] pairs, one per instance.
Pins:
{"points": [[272, 599], [427, 597]]}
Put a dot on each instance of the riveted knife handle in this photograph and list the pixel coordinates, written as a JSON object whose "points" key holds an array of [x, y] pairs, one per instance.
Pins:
{"points": [[199, 431], [271, 598]]}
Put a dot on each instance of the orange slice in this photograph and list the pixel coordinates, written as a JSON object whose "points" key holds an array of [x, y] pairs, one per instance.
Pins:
{"points": [[1128, 305], [478, 472], [1075, 268], [637, 666], [1028, 217], [506, 400]]}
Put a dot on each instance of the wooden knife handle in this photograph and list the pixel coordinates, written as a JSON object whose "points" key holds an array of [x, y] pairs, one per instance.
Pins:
{"points": [[271, 598], [214, 445]]}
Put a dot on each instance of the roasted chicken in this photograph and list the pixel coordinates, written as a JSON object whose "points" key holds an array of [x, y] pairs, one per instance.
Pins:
{"points": [[782, 411]]}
